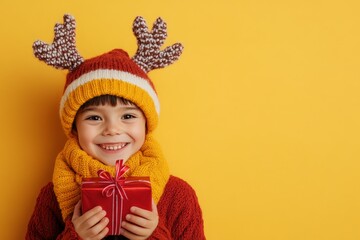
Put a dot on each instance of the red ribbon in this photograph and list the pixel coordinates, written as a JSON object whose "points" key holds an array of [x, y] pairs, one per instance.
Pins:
{"points": [[115, 189], [115, 183]]}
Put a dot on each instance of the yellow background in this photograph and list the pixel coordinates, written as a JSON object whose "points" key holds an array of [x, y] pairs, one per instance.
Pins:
{"points": [[261, 115]]}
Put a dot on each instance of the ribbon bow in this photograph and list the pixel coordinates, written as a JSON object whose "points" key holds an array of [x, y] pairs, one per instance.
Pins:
{"points": [[114, 183]]}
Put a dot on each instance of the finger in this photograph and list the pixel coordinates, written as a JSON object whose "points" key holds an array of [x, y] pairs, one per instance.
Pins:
{"points": [[154, 207], [77, 210], [138, 221], [134, 229], [94, 216], [99, 229], [130, 235], [103, 233], [92, 212], [141, 212], [148, 215]]}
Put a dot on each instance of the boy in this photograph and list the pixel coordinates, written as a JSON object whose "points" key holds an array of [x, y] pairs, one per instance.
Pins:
{"points": [[109, 110]]}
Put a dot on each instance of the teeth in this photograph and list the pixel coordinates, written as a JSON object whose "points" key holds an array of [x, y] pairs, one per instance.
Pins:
{"points": [[113, 147]]}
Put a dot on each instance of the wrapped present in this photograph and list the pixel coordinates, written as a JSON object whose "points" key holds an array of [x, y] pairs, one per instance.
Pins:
{"points": [[116, 195]]}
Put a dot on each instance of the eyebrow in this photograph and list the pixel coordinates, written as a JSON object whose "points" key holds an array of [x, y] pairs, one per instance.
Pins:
{"points": [[94, 107], [130, 107]]}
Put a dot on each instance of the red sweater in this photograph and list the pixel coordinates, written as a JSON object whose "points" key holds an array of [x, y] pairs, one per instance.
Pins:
{"points": [[180, 215]]}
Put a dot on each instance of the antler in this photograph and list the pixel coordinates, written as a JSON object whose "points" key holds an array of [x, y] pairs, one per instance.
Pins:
{"points": [[62, 52], [148, 55]]}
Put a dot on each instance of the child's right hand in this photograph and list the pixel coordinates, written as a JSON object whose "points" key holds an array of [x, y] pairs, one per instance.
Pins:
{"points": [[92, 224]]}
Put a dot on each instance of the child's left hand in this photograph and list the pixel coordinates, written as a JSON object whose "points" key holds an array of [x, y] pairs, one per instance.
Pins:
{"points": [[140, 224]]}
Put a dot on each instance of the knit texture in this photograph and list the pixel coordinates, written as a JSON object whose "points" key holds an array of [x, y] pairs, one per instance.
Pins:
{"points": [[112, 73], [73, 164], [180, 216], [62, 52]]}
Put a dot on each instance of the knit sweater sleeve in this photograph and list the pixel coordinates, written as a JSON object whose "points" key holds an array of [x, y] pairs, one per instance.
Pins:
{"points": [[179, 212], [46, 221]]}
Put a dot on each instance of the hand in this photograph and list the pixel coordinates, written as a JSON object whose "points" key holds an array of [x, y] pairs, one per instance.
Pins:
{"points": [[140, 224], [92, 224]]}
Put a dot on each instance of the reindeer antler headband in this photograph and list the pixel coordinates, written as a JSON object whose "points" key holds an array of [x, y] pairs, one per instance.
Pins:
{"points": [[113, 73], [149, 56], [62, 52]]}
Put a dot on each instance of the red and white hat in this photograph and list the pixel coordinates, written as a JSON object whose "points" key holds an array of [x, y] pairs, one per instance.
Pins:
{"points": [[112, 73]]}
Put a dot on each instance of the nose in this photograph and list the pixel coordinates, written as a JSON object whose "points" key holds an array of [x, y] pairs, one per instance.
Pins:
{"points": [[112, 128]]}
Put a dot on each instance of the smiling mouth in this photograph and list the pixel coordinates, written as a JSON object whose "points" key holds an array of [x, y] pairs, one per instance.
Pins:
{"points": [[112, 147]]}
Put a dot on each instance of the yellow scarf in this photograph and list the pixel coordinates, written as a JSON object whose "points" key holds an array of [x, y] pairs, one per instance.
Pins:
{"points": [[72, 164]]}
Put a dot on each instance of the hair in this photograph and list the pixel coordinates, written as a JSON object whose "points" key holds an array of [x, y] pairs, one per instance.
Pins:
{"points": [[102, 100], [105, 99]]}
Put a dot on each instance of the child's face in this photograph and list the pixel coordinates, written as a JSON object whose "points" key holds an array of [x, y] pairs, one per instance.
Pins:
{"points": [[110, 133]]}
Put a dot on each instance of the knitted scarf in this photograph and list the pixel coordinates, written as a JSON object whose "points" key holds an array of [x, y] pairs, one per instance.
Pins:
{"points": [[72, 164]]}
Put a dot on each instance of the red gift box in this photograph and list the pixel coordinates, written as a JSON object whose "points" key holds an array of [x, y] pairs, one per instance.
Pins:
{"points": [[116, 195]]}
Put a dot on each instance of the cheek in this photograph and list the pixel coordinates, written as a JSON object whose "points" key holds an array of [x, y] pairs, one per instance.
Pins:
{"points": [[139, 133], [84, 135]]}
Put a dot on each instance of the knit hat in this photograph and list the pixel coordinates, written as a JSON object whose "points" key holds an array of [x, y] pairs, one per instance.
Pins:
{"points": [[112, 73]]}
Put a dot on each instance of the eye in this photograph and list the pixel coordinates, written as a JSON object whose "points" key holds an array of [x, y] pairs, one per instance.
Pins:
{"points": [[94, 118], [128, 116]]}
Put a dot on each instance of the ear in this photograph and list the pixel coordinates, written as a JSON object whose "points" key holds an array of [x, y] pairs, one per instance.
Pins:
{"points": [[74, 131]]}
